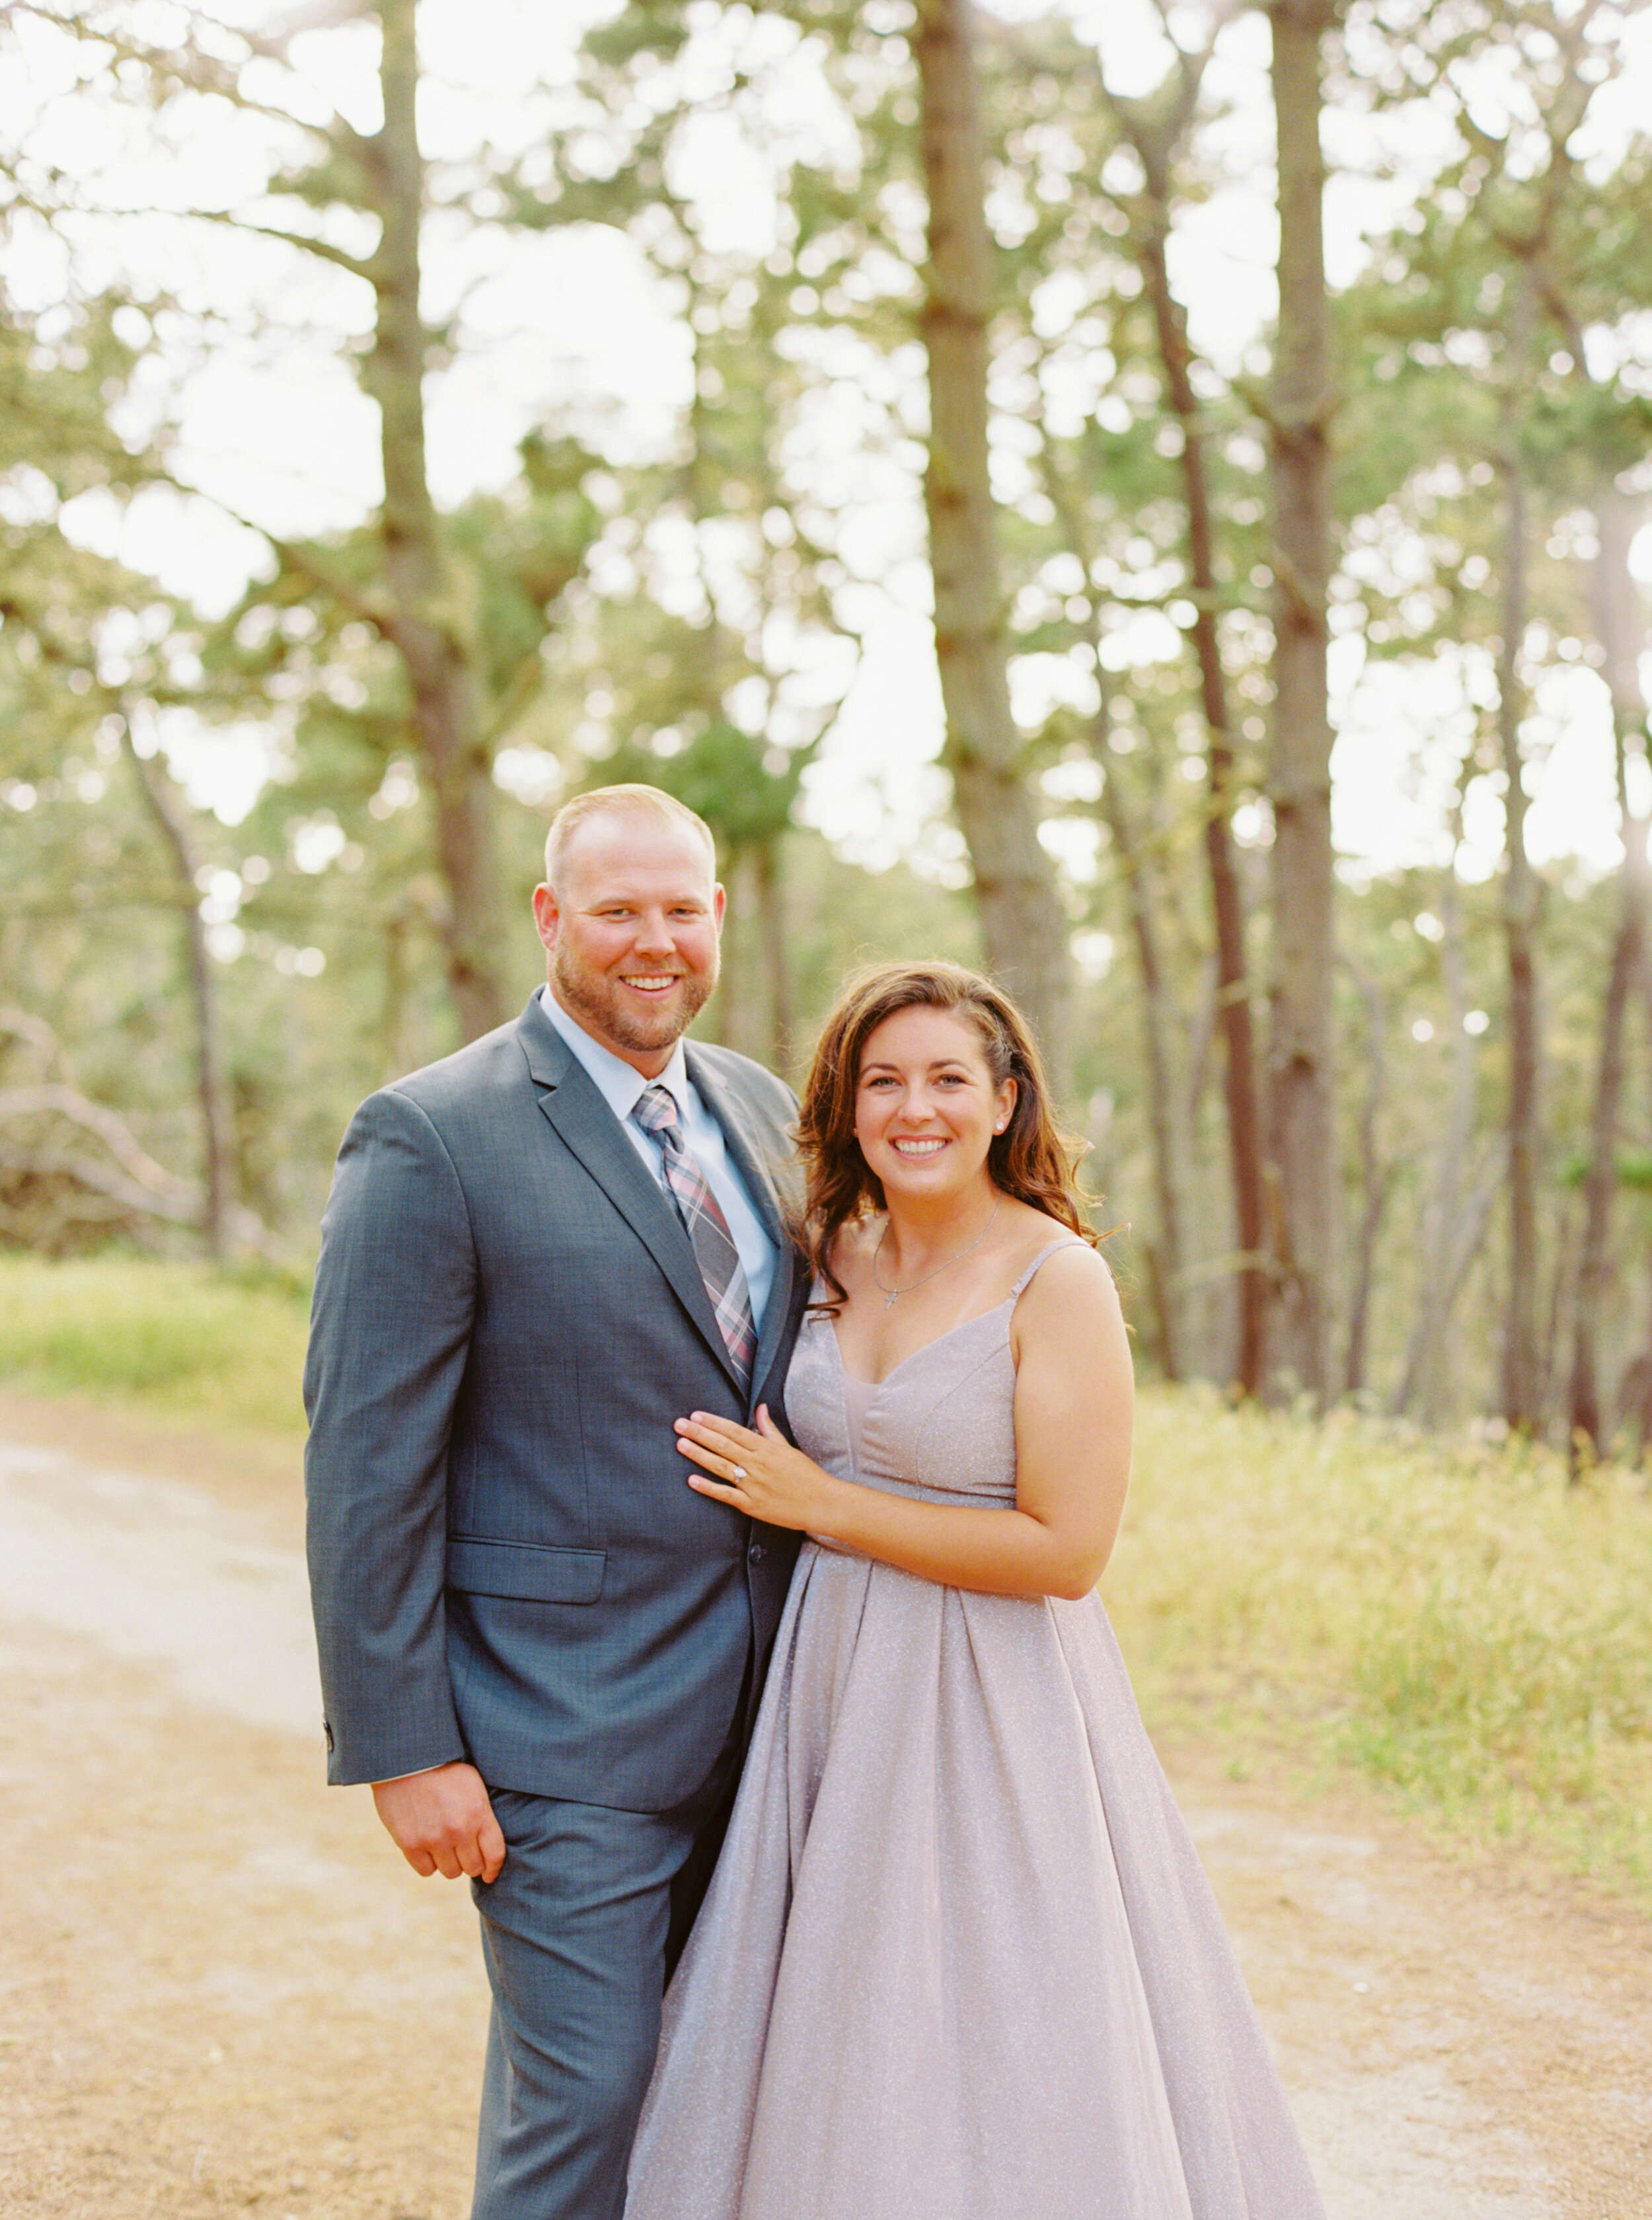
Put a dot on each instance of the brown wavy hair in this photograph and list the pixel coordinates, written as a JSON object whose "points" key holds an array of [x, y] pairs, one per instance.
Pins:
{"points": [[1031, 1159]]}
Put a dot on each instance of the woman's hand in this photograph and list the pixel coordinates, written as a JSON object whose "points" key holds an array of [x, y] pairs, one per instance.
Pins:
{"points": [[760, 1473]]}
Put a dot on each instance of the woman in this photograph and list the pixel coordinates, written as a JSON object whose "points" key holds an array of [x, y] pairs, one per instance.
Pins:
{"points": [[958, 1961]]}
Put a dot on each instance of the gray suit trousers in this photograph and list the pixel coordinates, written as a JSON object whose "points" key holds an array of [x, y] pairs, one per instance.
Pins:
{"points": [[579, 1935]]}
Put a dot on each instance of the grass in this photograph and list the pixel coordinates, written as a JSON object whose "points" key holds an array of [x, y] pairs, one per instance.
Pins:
{"points": [[1448, 1617], [181, 1341]]}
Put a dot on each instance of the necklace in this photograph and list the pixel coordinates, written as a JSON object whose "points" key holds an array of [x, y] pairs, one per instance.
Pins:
{"points": [[892, 1295]]}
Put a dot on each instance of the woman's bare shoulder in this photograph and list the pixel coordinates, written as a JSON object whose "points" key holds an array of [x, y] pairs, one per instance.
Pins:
{"points": [[1030, 1232], [1071, 1274]]}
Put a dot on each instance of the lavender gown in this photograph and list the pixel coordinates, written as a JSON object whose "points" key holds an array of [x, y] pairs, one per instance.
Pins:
{"points": [[958, 1961]]}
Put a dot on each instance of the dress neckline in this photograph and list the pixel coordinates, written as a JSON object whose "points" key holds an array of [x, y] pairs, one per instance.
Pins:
{"points": [[962, 1325]]}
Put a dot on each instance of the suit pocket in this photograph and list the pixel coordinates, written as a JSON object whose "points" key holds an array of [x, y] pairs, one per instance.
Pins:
{"points": [[523, 1570]]}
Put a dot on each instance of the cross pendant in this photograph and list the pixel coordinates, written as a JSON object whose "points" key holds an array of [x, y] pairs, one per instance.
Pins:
{"points": [[889, 1301]]}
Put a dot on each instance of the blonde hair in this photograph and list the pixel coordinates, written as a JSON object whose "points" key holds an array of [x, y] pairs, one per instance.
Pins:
{"points": [[619, 801]]}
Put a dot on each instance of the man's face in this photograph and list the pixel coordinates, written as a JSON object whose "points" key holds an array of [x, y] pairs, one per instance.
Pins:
{"points": [[630, 933]]}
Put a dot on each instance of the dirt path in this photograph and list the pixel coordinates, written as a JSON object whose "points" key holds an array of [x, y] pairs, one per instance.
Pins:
{"points": [[220, 1991]]}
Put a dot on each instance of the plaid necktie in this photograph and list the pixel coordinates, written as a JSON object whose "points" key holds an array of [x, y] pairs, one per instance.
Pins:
{"points": [[708, 1229]]}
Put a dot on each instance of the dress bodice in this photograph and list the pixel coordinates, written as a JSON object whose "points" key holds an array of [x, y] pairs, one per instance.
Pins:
{"points": [[941, 1427]]}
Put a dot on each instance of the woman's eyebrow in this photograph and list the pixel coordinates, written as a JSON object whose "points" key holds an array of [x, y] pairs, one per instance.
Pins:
{"points": [[941, 1063]]}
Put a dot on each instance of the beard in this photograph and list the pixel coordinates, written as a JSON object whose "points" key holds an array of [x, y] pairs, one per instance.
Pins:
{"points": [[598, 1001]]}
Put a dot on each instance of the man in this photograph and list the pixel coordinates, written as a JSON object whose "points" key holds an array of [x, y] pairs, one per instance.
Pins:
{"points": [[539, 1644]]}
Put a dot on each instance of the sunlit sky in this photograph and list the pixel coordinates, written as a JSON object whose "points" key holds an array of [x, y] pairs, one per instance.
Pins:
{"points": [[569, 328]]}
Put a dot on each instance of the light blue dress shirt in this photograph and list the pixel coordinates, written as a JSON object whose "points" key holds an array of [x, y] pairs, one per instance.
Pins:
{"points": [[622, 1086]]}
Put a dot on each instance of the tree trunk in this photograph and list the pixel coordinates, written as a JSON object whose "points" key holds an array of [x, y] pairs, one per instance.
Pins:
{"points": [[1562, 1304], [427, 622], [1023, 922], [1166, 1123], [1168, 1254], [1441, 1227], [1302, 1095], [1622, 629], [1519, 919], [1457, 1252], [777, 957], [1634, 1395], [1620, 632], [1376, 1182], [1594, 1259], [215, 1147], [392, 1053], [1467, 1242], [1227, 901]]}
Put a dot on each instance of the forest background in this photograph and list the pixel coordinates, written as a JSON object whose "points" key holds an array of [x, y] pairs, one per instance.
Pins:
{"points": [[1145, 499]]}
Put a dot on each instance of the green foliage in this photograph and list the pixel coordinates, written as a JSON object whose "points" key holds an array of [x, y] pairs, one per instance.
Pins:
{"points": [[745, 789], [1632, 1170], [1454, 1620], [179, 1340]]}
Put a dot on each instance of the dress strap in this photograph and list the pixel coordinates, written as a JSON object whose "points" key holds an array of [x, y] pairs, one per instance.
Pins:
{"points": [[1068, 1241]]}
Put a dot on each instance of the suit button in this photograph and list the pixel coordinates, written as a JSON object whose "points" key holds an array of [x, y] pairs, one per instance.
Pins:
{"points": [[756, 1553]]}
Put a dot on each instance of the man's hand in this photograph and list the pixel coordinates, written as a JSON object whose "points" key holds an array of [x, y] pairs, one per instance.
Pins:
{"points": [[442, 1822]]}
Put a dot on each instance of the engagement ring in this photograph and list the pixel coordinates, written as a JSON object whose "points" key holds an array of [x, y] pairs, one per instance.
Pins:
{"points": [[738, 1471]]}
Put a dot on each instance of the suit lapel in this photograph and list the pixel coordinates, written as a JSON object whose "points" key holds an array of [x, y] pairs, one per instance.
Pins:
{"points": [[569, 1099], [775, 1317], [753, 1161]]}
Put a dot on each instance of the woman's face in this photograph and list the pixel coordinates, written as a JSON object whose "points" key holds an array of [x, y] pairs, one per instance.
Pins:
{"points": [[926, 1105]]}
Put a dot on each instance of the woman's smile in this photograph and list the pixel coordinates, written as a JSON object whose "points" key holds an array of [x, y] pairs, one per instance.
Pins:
{"points": [[926, 1100]]}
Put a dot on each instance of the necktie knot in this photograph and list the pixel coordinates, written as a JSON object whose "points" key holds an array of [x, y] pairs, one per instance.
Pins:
{"points": [[656, 1111]]}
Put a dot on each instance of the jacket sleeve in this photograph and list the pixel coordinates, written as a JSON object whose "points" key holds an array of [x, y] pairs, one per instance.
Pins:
{"points": [[390, 1335]]}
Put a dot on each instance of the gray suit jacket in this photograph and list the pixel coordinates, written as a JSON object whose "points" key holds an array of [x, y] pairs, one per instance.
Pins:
{"points": [[506, 1560]]}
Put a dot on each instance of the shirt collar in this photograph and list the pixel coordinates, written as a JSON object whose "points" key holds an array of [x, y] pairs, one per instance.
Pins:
{"points": [[621, 1084]]}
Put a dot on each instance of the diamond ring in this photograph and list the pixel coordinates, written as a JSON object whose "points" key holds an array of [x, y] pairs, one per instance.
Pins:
{"points": [[737, 1471]]}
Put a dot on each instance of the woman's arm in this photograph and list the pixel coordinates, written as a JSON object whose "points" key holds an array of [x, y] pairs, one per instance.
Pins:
{"points": [[1073, 1410]]}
